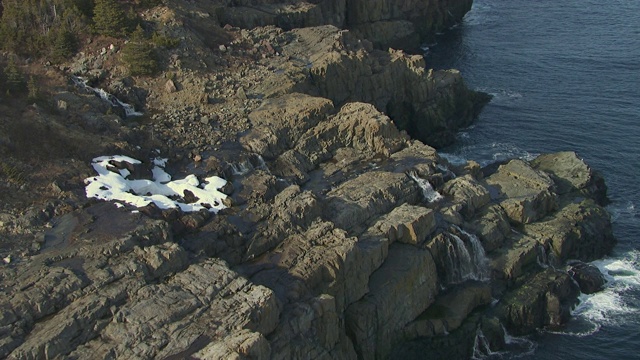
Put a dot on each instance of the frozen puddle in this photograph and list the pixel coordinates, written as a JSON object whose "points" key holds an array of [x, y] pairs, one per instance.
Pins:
{"points": [[112, 184]]}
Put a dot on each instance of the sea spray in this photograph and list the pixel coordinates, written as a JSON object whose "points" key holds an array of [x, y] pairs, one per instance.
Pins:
{"points": [[481, 346]]}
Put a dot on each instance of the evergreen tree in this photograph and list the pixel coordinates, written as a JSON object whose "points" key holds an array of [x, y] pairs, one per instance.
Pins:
{"points": [[33, 90], [14, 79], [109, 18], [64, 45], [139, 54]]}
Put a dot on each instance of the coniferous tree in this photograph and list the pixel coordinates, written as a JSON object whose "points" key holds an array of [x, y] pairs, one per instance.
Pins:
{"points": [[33, 90], [64, 45], [14, 79], [139, 54], [109, 18]]}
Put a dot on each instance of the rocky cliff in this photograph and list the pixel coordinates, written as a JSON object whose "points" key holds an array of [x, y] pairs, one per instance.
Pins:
{"points": [[344, 236], [399, 24]]}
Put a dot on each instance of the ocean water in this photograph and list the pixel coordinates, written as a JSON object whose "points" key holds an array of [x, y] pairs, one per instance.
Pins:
{"points": [[565, 75]]}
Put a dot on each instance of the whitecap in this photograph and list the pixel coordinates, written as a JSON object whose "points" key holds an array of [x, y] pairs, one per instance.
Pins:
{"points": [[501, 96], [453, 159], [611, 306], [622, 210]]}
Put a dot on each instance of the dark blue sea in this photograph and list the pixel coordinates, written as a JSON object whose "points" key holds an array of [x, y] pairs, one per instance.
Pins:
{"points": [[565, 75]]}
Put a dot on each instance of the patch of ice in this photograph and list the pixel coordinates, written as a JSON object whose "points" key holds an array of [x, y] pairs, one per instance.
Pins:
{"points": [[162, 191]]}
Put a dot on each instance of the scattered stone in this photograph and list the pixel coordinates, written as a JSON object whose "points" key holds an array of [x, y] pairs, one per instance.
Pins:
{"points": [[170, 86], [240, 94], [62, 105]]}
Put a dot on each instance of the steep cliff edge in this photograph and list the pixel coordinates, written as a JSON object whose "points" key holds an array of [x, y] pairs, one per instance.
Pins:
{"points": [[404, 24], [344, 236]]}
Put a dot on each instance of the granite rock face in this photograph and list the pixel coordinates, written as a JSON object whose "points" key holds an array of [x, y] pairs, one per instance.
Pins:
{"points": [[398, 24], [429, 105], [345, 237], [349, 261]]}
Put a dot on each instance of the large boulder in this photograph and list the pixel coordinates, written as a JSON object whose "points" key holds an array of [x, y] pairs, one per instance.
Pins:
{"points": [[588, 277], [580, 230], [544, 300], [407, 224], [572, 175], [403, 287], [467, 191], [491, 224], [525, 194], [279, 122], [357, 201]]}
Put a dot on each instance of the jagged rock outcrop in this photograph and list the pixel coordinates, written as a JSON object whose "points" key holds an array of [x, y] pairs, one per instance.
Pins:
{"points": [[546, 300], [588, 277], [429, 105], [399, 24], [343, 256], [344, 237]]}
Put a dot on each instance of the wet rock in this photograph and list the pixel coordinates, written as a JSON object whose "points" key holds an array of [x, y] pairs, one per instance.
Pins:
{"points": [[545, 300], [580, 230], [587, 276]]}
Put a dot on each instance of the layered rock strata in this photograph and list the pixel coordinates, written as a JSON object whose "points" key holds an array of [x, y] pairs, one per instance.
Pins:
{"points": [[332, 253], [335, 244], [398, 24]]}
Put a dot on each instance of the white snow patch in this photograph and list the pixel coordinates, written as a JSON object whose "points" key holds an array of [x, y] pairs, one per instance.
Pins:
{"points": [[162, 191]]}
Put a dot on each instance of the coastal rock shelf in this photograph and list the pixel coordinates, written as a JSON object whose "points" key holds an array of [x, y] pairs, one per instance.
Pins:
{"points": [[319, 266], [338, 232], [400, 24]]}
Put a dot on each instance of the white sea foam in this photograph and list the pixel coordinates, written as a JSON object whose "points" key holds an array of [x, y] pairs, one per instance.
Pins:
{"points": [[515, 347], [480, 13], [486, 154], [611, 306], [453, 159], [622, 210]]}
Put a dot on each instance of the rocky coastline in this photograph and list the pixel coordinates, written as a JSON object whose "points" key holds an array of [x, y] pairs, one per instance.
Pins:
{"points": [[346, 235]]}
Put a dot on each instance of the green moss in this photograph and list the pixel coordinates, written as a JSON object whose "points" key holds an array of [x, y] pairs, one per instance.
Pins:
{"points": [[11, 173]]}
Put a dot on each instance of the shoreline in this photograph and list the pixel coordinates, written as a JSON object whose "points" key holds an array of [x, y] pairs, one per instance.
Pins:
{"points": [[329, 246]]}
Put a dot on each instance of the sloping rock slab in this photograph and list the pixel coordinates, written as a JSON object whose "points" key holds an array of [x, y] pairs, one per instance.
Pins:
{"points": [[525, 194]]}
